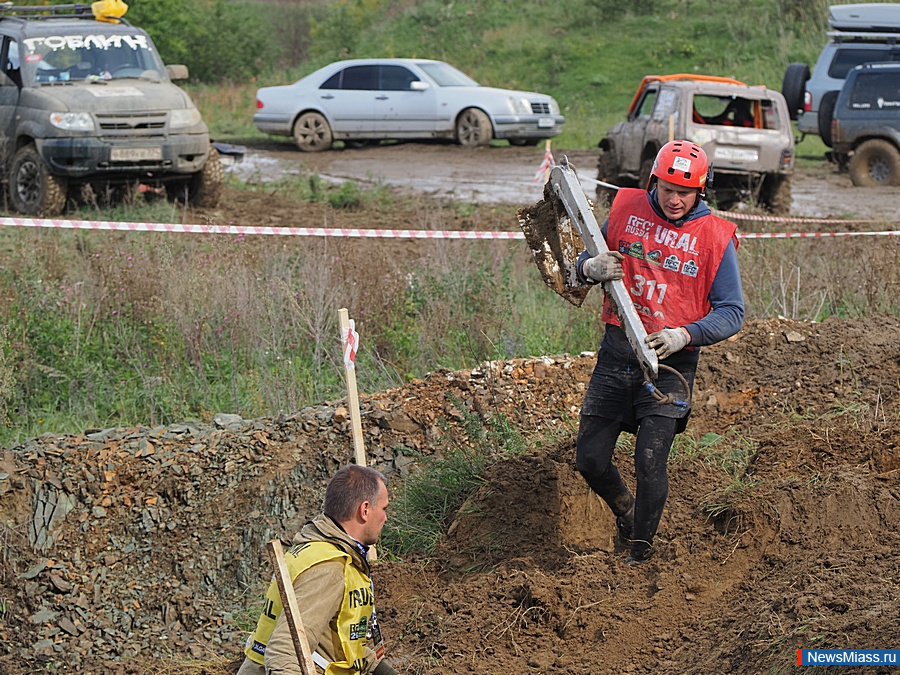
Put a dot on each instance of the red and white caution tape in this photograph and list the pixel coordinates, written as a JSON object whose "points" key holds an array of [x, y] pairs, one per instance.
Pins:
{"points": [[401, 234], [731, 215], [350, 338], [798, 235], [246, 230]]}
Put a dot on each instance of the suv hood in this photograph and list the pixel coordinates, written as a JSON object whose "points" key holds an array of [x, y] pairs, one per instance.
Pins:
{"points": [[114, 96]]}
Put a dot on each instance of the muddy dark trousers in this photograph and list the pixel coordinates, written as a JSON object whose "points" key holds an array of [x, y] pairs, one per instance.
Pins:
{"points": [[593, 459]]}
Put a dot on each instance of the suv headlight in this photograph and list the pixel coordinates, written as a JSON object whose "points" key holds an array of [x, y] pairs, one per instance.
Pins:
{"points": [[70, 121], [186, 117], [519, 105], [554, 107]]}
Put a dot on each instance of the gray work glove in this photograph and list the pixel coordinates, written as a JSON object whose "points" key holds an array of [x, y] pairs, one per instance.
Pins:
{"points": [[606, 266], [668, 341], [384, 668]]}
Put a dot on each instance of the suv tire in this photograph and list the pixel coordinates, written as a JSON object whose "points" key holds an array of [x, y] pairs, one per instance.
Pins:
{"points": [[33, 190], [776, 194], [875, 163], [206, 185], [607, 172], [202, 189], [826, 115], [793, 87]]}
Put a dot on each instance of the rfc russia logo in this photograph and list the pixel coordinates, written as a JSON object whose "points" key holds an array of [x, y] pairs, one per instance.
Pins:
{"points": [[672, 263]]}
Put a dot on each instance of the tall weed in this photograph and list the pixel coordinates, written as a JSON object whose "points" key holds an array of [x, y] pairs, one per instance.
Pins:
{"points": [[427, 499]]}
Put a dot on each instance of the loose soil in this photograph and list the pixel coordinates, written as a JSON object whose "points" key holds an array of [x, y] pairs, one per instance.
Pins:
{"points": [[142, 550]]}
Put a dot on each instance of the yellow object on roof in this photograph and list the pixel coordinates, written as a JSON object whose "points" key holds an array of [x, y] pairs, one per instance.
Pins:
{"points": [[109, 10]]}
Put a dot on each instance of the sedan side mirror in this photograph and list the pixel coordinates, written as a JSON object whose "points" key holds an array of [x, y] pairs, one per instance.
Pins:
{"points": [[418, 85]]}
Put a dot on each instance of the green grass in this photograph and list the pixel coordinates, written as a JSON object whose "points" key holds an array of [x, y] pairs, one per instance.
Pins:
{"points": [[426, 500]]}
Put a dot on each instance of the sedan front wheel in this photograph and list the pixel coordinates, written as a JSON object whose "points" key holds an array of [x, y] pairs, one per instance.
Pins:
{"points": [[473, 128], [312, 133]]}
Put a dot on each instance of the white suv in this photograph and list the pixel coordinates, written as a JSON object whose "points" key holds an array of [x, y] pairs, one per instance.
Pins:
{"points": [[861, 33]]}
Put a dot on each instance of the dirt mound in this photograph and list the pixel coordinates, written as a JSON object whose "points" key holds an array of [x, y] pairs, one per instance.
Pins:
{"points": [[122, 547]]}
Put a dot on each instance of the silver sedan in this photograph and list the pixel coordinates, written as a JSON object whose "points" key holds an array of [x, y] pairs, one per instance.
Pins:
{"points": [[365, 100]]}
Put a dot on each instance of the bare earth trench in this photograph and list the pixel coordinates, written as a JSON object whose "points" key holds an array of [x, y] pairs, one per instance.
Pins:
{"points": [[138, 550]]}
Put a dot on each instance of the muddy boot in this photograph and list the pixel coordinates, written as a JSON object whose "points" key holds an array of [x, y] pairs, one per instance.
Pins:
{"points": [[625, 529], [641, 552]]}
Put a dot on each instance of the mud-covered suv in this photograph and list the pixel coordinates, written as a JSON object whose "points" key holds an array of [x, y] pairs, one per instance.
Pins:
{"points": [[745, 131], [88, 102], [865, 129], [860, 33]]}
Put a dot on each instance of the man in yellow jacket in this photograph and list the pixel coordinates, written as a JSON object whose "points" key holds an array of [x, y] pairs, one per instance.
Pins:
{"points": [[331, 578]]}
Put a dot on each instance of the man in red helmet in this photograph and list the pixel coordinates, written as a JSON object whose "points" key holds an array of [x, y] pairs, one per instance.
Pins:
{"points": [[679, 262]]}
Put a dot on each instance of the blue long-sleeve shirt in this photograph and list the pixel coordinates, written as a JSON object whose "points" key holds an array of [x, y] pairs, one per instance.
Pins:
{"points": [[726, 295]]}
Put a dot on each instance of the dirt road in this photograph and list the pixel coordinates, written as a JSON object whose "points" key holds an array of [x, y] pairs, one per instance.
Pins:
{"points": [[505, 175]]}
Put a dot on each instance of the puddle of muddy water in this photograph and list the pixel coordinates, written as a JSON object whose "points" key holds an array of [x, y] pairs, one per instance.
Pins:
{"points": [[506, 178], [434, 181]]}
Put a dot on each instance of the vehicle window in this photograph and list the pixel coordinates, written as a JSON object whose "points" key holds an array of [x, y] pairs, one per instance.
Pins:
{"points": [[60, 58], [876, 90], [445, 75], [665, 105], [846, 60], [333, 82], [645, 106], [360, 77], [11, 61], [396, 78], [728, 111], [770, 117]]}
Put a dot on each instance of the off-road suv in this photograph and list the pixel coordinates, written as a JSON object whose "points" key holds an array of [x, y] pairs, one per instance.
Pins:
{"points": [[745, 131], [87, 102], [865, 129], [861, 33]]}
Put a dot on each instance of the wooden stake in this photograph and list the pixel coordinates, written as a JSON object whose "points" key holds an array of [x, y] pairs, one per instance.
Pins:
{"points": [[352, 396], [353, 402], [291, 611]]}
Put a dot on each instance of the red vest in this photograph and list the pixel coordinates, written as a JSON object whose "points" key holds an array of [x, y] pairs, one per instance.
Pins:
{"points": [[668, 270]]}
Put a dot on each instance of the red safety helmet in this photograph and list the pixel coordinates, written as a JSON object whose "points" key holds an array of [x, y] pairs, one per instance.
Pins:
{"points": [[682, 163]]}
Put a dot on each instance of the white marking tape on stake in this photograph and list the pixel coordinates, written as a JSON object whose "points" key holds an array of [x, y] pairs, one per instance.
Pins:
{"points": [[373, 233]]}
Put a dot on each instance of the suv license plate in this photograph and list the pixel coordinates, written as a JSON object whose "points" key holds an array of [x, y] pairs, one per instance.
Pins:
{"points": [[737, 154], [134, 154], [545, 122]]}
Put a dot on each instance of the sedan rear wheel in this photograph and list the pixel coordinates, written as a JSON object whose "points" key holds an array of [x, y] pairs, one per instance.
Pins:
{"points": [[473, 128], [312, 133], [875, 163]]}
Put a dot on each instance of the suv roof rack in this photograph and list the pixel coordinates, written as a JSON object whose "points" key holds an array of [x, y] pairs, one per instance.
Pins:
{"points": [[74, 10], [865, 18]]}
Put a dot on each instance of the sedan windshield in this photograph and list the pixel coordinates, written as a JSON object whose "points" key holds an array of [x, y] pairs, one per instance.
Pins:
{"points": [[66, 58], [446, 75]]}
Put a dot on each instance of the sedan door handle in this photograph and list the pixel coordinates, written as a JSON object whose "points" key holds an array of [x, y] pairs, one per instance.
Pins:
{"points": [[327, 97], [381, 98]]}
